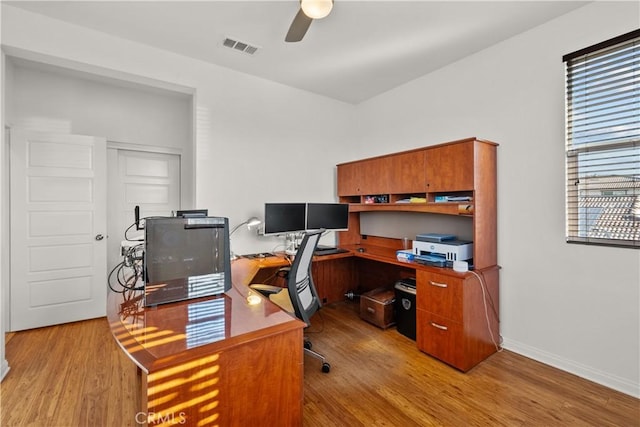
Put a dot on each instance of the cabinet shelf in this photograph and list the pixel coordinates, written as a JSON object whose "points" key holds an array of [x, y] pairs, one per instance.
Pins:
{"points": [[458, 209]]}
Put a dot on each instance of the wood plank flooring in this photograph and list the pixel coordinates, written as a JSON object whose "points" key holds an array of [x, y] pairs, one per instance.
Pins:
{"points": [[75, 375]]}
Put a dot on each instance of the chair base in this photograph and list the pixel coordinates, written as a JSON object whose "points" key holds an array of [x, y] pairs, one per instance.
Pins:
{"points": [[326, 367]]}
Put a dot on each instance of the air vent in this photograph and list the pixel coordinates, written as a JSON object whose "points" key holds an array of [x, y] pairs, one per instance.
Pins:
{"points": [[238, 45]]}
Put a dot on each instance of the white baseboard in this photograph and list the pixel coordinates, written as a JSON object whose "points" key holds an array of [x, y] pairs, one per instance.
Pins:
{"points": [[603, 378], [4, 369]]}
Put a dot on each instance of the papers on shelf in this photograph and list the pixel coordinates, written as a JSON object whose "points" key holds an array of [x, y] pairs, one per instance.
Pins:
{"points": [[413, 200], [441, 199]]}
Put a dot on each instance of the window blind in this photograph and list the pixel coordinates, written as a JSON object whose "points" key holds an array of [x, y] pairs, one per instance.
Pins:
{"points": [[603, 143]]}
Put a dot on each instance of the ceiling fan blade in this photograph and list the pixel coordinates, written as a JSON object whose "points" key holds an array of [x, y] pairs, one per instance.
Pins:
{"points": [[299, 27]]}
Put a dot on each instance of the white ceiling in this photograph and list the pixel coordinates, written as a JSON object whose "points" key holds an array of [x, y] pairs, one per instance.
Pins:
{"points": [[362, 49]]}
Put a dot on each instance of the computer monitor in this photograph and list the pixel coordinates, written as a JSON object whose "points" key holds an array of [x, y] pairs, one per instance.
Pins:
{"points": [[330, 216], [282, 218], [186, 258]]}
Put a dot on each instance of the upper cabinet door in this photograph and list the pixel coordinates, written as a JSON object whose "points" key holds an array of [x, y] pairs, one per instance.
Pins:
{"points": [[365, 177], [407, 173], [374, 176], [450, 167], [348, 182]]}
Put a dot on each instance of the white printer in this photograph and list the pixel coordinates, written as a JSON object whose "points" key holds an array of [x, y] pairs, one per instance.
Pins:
{"points": [[442, 246]]}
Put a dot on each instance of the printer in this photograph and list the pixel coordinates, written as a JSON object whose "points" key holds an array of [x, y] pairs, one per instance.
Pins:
{"points": [[441, 250]]}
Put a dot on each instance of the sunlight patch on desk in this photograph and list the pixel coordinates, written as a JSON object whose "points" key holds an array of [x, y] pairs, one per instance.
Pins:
{"points": [[196, 364], [168, 388]]}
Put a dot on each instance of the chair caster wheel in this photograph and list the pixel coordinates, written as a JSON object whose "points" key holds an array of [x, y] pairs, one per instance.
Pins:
{"points": [[308, 345], [326, 367]]}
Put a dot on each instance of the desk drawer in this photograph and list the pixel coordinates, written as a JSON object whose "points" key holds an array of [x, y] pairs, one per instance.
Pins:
{"points": [[441, 338], [440, 294]]}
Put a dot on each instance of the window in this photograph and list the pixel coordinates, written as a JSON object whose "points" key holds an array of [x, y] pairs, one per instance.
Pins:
{"points": [[603, 143]]}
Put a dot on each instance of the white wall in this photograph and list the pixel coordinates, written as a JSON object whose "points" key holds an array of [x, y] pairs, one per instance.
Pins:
{"points": [[571, 306], [83, 104]]}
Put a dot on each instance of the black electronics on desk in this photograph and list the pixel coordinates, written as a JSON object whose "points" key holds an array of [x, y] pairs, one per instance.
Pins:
{"points": [[328, 216], [283, 218], [293, 218], [185, 258], [192, 213]]}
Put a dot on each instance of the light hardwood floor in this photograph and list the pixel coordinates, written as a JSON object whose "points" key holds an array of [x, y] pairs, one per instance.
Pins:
{"points": [[75, 375]]}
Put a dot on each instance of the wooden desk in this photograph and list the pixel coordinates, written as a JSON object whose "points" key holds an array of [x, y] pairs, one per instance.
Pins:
{"points": [[213, 361], [333, 274], [456, 313]]}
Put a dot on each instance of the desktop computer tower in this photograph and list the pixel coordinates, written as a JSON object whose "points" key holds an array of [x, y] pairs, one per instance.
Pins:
{"points": [[185, 258]]}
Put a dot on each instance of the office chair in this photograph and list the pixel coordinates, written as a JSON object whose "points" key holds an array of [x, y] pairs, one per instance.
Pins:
{"points": [[300, 296]]}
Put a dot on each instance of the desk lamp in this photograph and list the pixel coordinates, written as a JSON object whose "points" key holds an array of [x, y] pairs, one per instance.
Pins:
{"points": [[251, 222]]}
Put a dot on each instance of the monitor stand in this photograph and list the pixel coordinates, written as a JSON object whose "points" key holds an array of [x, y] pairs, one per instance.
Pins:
{"points": [[291, 244]]}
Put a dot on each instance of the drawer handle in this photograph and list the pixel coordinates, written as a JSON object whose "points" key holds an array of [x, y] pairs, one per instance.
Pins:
{"points": [[440, 285], [371, 309], [435, 325]]}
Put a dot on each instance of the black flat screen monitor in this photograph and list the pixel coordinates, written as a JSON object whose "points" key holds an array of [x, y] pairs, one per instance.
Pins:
{"points": [[282, 218], [330, 216], [186, 258]]}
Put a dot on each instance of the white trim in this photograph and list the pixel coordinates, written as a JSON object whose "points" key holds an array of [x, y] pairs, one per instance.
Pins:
{"points": [[5, 232], [122, 76], [612, 381], [4, 264], [145, 148], [4, 369]]}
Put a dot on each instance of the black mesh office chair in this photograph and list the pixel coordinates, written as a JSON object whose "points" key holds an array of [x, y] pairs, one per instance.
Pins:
{"points": [[300, 296]]}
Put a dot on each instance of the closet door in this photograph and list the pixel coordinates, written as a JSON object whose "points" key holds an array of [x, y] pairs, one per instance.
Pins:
{"points": [[148, 179], [58, 228]]}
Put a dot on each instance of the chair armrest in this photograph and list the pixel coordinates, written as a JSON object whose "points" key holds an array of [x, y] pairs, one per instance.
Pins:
{"points": [[266, 290]]}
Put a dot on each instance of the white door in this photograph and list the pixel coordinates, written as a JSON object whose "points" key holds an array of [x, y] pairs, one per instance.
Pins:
{"points": [[58, 228], [149, 180]]}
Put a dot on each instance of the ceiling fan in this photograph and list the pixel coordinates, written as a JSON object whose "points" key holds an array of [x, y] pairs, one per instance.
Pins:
{"points": [[309, 10]]}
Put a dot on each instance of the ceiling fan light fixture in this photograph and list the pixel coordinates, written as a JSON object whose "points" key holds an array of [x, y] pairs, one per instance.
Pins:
{"points": [[316, 9]]}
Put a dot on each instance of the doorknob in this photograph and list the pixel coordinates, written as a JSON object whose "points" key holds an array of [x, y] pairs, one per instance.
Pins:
{"points": [[99, 237]]}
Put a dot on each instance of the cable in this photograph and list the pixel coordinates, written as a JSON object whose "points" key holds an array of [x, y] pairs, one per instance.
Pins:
{"points": [[134, 224], [485, 295], [129, 272], [127, 230], [322, 322]]}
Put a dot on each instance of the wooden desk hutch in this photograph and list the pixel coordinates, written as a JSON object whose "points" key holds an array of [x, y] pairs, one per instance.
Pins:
{"points": [[452, 308]]}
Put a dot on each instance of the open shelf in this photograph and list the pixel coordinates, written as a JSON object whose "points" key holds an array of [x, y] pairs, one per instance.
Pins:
{"points": [[465, 209]]}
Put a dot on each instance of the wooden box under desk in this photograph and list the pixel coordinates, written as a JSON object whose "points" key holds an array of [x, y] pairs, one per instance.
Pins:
{"points": [[377, 307]]}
